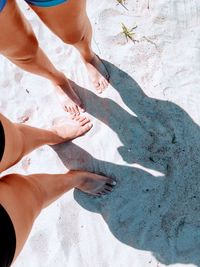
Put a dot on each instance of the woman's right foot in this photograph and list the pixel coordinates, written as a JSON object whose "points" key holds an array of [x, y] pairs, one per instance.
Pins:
{"points": [[97, 72], [67, 130], [92, 183], [68, 98]]}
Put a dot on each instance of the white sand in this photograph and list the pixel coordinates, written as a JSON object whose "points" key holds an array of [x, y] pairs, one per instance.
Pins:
{"points": [[145, 135]]}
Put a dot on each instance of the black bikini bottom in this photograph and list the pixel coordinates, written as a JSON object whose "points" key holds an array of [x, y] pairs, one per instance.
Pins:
{"points": [[7, 239], [2, 140], [7, 231]]}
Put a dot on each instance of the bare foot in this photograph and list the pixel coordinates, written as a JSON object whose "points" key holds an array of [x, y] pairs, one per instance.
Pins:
{"points": [[68, 98], [93, 184], [98, 73], [66, 130]]}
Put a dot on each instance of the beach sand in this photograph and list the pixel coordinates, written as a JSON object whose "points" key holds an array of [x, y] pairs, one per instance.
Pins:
{"points": [[146, 135]]}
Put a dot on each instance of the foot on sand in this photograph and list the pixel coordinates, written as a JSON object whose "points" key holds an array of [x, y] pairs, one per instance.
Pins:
{"points": [[94, 184], [66, 130], [68, 98], [98, 73]]}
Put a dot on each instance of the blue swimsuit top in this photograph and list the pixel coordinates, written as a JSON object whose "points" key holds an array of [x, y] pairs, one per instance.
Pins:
{"points": [[2, 4], [41, 3]]}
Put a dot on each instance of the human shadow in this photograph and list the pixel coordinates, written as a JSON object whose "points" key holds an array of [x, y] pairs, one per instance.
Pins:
{"points": [[155, 212]]}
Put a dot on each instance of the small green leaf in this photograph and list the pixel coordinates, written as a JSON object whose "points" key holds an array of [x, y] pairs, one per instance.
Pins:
{"points": [[122, 3], [128, 32]]}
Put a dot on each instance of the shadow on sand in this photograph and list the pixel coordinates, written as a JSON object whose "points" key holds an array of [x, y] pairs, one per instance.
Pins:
{"points": [[158, 213]]}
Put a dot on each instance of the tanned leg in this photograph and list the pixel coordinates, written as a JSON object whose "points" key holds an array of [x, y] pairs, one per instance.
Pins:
{"points": [[21, 139], [19, 44], [70, 22], [23, 197]]}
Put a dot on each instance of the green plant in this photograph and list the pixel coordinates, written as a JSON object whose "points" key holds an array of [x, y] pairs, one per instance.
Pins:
{"points": [[128, 32], [122, 3]]}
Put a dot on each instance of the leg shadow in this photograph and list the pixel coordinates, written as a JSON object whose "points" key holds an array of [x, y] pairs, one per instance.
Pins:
{"points": [[155, 205]]}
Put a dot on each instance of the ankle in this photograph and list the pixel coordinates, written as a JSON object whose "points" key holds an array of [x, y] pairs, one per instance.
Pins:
{"points": [[75, 177], [55, 138], [60, 79], [88, 56]]}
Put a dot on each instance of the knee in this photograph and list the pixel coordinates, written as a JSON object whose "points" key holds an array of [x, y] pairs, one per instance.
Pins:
{"points": [[76, 34], [25, 190], [72, 38], [82, 34], [26, 52], [29, 51]]}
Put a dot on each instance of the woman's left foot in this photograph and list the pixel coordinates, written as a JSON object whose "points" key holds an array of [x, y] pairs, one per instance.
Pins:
{"points": [[67, 130], [98, 73], [93, 184]]}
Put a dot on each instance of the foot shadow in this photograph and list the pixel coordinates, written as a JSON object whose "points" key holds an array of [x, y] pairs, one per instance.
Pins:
{"points": [[155, 205]]}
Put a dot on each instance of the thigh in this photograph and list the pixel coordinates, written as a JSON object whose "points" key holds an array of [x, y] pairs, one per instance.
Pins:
{"points": [[67, 20], [12, 150], [21, 200], [16, 35]]}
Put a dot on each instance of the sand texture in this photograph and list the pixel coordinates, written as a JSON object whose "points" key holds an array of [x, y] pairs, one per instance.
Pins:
{"points": [[146, 135]]}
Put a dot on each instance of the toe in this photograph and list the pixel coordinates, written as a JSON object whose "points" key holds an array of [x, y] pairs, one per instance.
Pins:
{"points": [[66, 109], [85, 121], [102, 86], [105, 83], [111, 182], [73, 116], [102, 192], [98, 88], [76, 109], [81, 118], [81, 109], [76, 117], [108, 188], [72, 110], [87, 127]]}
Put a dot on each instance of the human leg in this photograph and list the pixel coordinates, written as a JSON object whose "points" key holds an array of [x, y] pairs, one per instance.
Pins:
{"points": [[21, 139], [19, 44], [23, 197], [70, 22]]}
